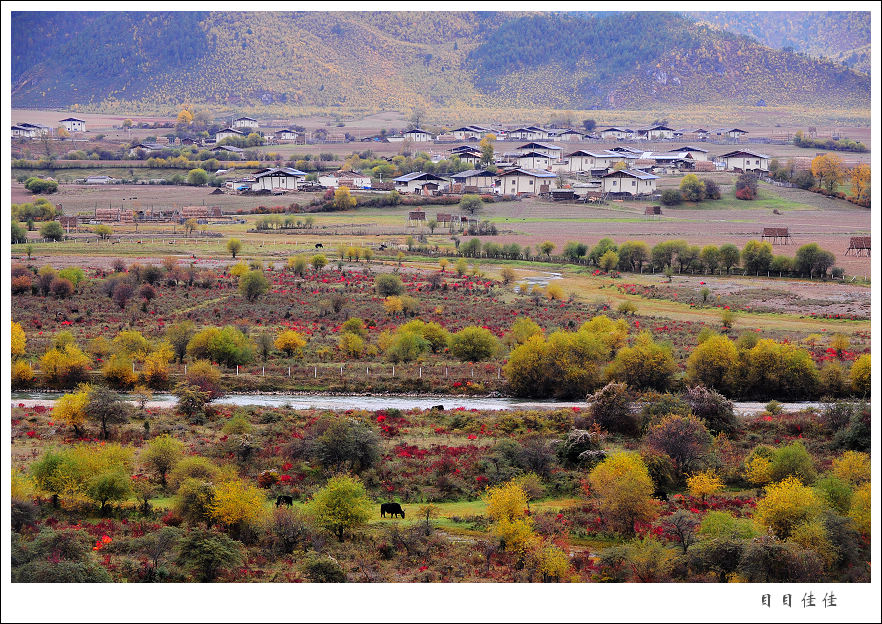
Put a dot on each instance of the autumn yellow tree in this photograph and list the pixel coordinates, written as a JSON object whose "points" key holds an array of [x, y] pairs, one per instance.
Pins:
{"points": [[487, 148], [343, 199], [71, 408], [18, 340], [507, 509], [860, 182], [185, 117], [290, 342], [860, 508], [624, 489], [237, 505], [786, 505], [828, 169]]}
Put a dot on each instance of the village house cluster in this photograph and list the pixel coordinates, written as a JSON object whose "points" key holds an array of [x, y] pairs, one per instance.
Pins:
{"points": [[536, 164]]}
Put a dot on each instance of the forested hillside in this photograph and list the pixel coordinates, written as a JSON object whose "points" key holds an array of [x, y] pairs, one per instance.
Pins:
{"points": [[843, 36], [400, 60]]}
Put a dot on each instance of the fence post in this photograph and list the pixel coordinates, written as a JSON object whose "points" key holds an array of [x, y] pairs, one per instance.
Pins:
{"points": [[237, 370], [341, 371], [289, 371], [315, 372], [367, 370], [445, 371], [263, 374], [498, 372], [393, 370], [185, 369], [421, 372]]}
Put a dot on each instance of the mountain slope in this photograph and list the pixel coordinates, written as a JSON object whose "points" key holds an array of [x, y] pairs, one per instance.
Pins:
{"points": [[840, 35], [401, 60]]}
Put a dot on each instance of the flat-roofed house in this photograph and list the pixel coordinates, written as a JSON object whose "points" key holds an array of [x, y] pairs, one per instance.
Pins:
{"points": [[415, 181], [480, 180], [629, 181], [146, 147], [245, 122], [732, 133], [745, 160], [277, 178], [226, 149], [519, 181], [418, 135], [72, 124]]}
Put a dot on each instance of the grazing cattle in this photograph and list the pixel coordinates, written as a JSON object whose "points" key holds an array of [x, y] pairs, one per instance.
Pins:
{"points": [[393, 509], [284, 500], [437, 407], [382, 247], [319, 246]]}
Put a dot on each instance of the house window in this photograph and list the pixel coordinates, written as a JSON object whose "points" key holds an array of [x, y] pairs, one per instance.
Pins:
{"points": [[615, 182], [531, 182], [633, 183]]}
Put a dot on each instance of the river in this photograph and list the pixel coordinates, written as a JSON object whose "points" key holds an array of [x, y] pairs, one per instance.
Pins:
{"points": [[379, 402]]}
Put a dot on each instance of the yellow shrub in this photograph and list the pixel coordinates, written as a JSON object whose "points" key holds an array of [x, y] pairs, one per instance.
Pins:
{"points": [[290, 342], [17, 340], [22, 374], [118, 371], [852, 467], [704, 484], [860, 508], [786, 505]]}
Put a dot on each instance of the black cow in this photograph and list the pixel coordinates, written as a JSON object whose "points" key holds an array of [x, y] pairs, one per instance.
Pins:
{"points": [[393, 509], [319, 246], [437, 407], [382, 247], [284, 500]]}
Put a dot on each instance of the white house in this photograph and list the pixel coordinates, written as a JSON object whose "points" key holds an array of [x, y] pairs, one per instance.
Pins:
{"points": [[519, 181], [470, 133], [745, 160], [100, 179], [732, 133], [534, 160], [418, 135], [481, 179], [277, 178], [72, 124], [285, 135], [227, 133], [349, 179], [552, 151], [529, 133], [655, 132], [615, 132], [415, 181], [695, 153], [629, 181], [23, 132], [146, 147], [245, 122], [585, 160], [568, 135]]}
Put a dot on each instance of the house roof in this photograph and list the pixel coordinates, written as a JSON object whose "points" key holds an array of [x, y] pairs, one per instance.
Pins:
{"points": [[284, 130], [226, 148], [25, 124], [539, 146], [746, 152], [535, 173], [464, 148], [471, 173], [616, 129], [533, 155], [73, 119], [244, 119], [416, 130], [632, 173], [605, 154], [150, 146], [656, 127], [233, 130], [418, 175], [280, 172], [350, 174], [689, 148], [625, 150], [470, 129], [570, 131]]}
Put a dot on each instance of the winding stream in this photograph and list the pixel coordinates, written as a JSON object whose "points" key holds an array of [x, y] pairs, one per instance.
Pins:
{"points": [[378, 402]]}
